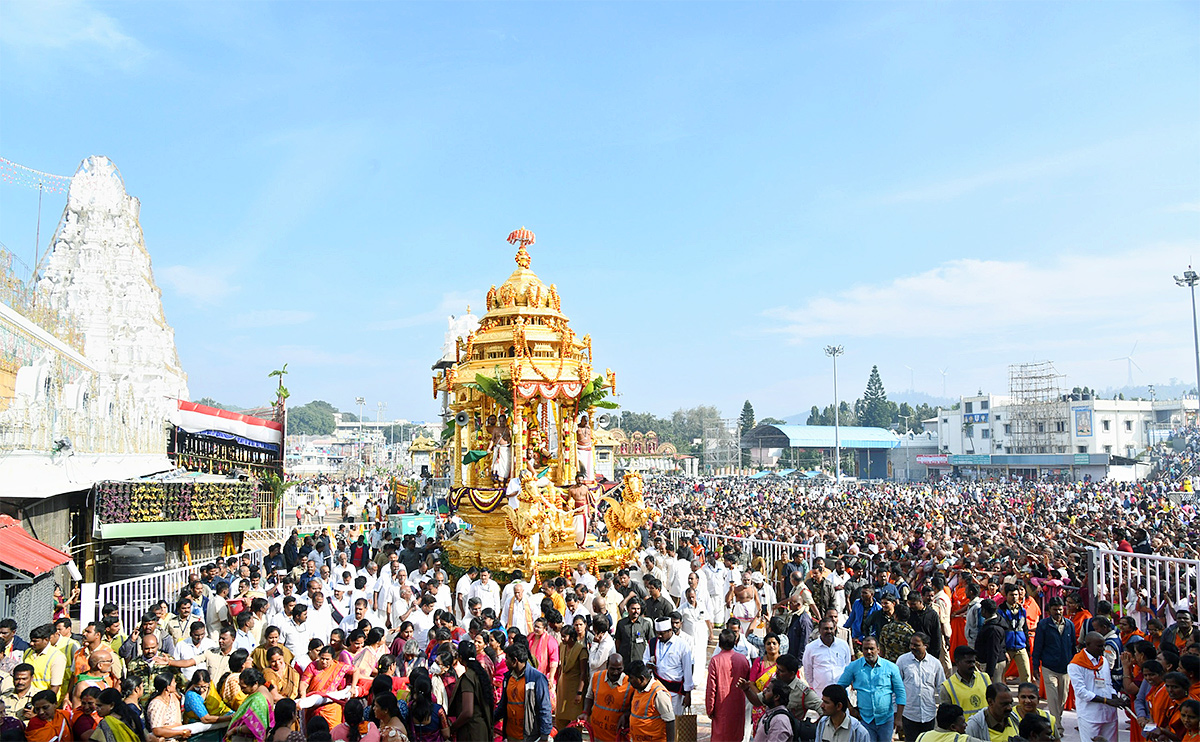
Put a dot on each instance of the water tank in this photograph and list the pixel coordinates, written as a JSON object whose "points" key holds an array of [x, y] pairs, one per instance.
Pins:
{"points": [[136, 558]]}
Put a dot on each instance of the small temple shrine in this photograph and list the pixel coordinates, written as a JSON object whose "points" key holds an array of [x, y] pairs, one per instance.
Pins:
{"points": [[523, 393]]}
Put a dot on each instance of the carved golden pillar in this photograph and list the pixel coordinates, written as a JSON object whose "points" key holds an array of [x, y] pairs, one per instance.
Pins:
{"points": [[518, 439], [456, 452]]}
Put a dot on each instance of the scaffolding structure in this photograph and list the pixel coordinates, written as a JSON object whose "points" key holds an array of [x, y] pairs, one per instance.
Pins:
{"points": [[721, 446], [1036, 412]]}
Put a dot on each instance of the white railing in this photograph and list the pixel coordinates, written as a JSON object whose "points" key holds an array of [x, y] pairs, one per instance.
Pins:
{"points": [[770, 551], [134, 596], [1164, 578]]}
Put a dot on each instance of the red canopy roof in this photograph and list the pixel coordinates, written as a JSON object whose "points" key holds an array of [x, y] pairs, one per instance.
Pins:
{"points": [[23, 552]]}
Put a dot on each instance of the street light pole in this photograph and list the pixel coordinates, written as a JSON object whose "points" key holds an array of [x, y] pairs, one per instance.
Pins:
{"points": [[360, 401], [833, 351], [1190, 279], [907, 438]]}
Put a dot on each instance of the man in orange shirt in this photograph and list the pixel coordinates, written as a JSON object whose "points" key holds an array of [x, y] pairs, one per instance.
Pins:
{"points": [[651, 713], [525, 711], [607, 705]]}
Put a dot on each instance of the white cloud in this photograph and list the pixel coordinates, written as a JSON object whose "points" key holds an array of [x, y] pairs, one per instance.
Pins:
{"points": [[44, 30], [455, 302], [202, 286], [1189, 207], [975, 302], [272, 318]]}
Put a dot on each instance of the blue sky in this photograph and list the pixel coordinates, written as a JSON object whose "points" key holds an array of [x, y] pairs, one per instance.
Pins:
{"points": [[718, 190]]}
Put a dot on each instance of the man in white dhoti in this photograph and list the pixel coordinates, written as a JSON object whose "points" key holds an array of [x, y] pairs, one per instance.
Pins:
{"points": [[583, 448], [1096, 700], [671, 658], [501, 450]]}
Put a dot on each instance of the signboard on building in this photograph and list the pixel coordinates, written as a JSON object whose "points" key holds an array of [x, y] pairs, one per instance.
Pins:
{"points": [[933, 459], [1083, 421], [971, 459], [1082, 459], [978, 417]]}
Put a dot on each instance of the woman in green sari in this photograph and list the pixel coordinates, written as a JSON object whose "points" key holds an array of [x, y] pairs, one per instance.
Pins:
{"points": [[253, 717], [117, 722]]}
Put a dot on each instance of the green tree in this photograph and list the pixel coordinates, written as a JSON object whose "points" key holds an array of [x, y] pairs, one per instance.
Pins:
{"points": [[874, 410], [772, 421], [314, 418], [210, 402], [746, 419]]}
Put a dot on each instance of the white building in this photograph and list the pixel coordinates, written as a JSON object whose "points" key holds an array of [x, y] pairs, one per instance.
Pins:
{"points": [[1077, 434]]}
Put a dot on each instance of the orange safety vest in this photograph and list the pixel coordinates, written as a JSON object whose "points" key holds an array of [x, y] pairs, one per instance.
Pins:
{"points": [[514, 718], [610, 702], [645, 724]]}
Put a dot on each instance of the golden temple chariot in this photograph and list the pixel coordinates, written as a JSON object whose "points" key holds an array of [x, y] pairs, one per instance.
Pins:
{"points": [[524, 394]]}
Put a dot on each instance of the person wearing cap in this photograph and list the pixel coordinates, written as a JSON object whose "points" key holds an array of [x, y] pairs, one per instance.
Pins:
{"points": [[766, 593], [671, 659]]}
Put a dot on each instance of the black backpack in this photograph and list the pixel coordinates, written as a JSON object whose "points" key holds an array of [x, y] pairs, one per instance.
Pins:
{"points": [[802, 730]]}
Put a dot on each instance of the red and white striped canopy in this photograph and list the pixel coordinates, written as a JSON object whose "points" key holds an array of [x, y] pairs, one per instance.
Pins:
{"points": [[522, 236]]}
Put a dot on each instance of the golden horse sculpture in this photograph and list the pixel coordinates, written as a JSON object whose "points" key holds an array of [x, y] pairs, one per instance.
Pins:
{"points": [[536, 520], [625, 516]]}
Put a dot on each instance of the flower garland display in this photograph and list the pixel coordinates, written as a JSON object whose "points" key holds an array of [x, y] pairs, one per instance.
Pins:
{"points": [[153, 502]]}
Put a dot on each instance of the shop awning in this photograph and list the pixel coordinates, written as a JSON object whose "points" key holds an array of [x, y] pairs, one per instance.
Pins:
{"points": [[21, 552], [201, 419]]}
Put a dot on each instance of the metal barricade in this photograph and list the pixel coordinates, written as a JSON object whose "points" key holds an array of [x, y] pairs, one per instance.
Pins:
{"points": [[770, 551], [134, 596], [1164, 578]]}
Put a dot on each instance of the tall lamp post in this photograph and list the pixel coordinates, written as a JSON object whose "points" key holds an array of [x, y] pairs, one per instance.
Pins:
{"points": [[360, 401], [1190, 279], [833, 351], [907, 438]]}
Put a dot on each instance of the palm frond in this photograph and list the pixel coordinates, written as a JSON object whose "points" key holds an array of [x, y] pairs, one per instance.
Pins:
{"points": [[494, 388]]}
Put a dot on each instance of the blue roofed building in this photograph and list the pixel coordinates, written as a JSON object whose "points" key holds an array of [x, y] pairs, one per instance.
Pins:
{"points": [[868, 448]]}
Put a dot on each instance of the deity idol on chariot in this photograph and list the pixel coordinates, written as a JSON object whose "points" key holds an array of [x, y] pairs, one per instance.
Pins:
{"points": [[525, 481]]}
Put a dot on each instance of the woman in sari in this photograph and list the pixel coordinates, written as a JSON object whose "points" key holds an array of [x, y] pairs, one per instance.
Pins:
{"points": [[572, 679], [118, 723], [230, 684], [543, 652], [386, 668], [346, 646], [282, 679], [194, 708], [471, 705], [253, 717], [762, 672], [270, 638], [131, 691], [366, 661], [324, 677], [49, 722], [164, 714]]}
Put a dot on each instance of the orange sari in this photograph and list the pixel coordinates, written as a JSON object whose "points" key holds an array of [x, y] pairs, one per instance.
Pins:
{"points": [[324, 682], [958, 624], [57, 729]]}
